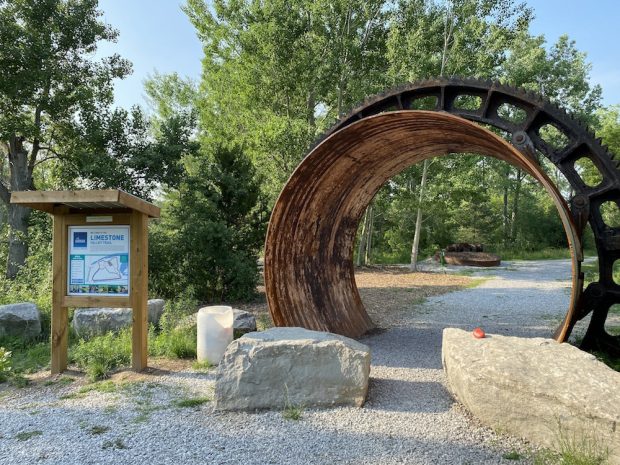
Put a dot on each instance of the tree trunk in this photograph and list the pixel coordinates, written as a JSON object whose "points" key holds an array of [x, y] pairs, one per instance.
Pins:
{"points": [[447, 37], [515, 207], [361, 249], [418, 221], [18, 216], [18, 239], [505, 229], [371, 222]]}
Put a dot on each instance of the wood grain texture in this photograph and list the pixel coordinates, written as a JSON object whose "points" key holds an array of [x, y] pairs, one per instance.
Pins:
{"points": [[95, 301], [60, 323], [84, 201], [309, 272], [139, 289]]}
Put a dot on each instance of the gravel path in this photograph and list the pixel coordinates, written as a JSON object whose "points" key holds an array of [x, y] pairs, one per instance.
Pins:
{"points": [[409, 418]]}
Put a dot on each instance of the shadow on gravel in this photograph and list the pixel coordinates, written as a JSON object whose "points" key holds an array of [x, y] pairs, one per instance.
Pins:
{"points": [[406, 348], [396, 395]]}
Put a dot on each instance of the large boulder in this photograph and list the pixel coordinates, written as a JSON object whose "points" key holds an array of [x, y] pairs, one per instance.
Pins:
{"points": [[20, 320], [89, 322], [535, 388], [292, 366]]}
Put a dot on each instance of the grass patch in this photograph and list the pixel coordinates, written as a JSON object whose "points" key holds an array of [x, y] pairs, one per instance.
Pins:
{"points": [[512, 455], [102, 386], [116, 444], [475, 282], [202, 366], [18, 380], [292, 412], [548, 253], [25, 435], [173, 343], [574, 449], [100, 355], [191, 402], [97, 429], [263, 322], [27, 356], [105, 387], [62, 381]]}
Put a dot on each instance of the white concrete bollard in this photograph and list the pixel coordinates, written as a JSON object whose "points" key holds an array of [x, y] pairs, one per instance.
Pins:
{"points": [[215, 332]]}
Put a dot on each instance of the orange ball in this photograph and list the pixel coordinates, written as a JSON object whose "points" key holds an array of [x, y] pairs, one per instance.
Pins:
{"points": [[479, 333]]}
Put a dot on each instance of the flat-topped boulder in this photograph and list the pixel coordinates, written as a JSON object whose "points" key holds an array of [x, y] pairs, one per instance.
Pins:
{"points": [[20, 320], [292, 366], [535, 388], [89, 322]]}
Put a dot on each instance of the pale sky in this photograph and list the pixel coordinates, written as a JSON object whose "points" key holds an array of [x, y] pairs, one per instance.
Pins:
{"points": [[156, 35]]}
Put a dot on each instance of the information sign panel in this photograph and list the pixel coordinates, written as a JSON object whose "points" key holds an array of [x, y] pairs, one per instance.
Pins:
{"points": [[98, 260]]}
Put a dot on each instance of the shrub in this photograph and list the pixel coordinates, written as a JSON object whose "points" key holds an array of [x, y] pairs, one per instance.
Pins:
{"points": [[210, 231]]}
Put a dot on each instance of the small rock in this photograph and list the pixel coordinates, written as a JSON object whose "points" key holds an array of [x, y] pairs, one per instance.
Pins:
{"points": [[89, 322], [244, 323], [20, 320], [292, 366], [534, 388]]}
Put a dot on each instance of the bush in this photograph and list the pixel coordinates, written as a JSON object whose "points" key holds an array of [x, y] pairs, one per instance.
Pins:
{"points": [[5, 364], [210, 232]]}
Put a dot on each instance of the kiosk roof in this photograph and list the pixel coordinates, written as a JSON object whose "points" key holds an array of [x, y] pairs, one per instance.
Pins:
{"points": [[84, 201]]}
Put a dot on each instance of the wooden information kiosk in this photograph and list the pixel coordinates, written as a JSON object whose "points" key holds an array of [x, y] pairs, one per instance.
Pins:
{"points": [[100, 259]]}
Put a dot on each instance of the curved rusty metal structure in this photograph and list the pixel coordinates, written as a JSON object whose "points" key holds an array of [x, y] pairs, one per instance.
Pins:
{"points": [[309, 273]]}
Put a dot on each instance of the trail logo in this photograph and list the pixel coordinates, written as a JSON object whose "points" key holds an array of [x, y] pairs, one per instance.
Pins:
{"points": [[80, 239]]}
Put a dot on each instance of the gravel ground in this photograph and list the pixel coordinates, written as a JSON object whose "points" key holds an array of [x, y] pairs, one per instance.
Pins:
{"points": [[409, 418]]}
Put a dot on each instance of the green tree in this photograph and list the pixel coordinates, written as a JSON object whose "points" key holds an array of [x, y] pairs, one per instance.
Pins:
{"points": [[128, 150], [47, 76], [210, 230], [609, 131], [275, 73]]}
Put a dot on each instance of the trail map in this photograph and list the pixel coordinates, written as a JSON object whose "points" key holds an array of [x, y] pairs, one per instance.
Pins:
{"points": [[98, 260]]}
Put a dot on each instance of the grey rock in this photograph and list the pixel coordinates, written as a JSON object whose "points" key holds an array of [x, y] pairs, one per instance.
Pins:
{"points": [[155, 308], [244, 322], [89, 322], [535, 388], [292, 366], [20, 320]]}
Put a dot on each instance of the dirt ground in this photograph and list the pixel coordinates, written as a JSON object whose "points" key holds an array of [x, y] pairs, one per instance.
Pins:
{"points": [[382, 288]]}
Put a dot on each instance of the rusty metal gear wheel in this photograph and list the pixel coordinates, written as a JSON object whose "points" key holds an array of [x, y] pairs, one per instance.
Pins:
{"points": [[308, 253]]}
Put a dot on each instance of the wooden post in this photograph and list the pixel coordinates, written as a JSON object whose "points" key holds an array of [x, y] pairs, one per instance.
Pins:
{"points": [[59, 280], [139, 289]]}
